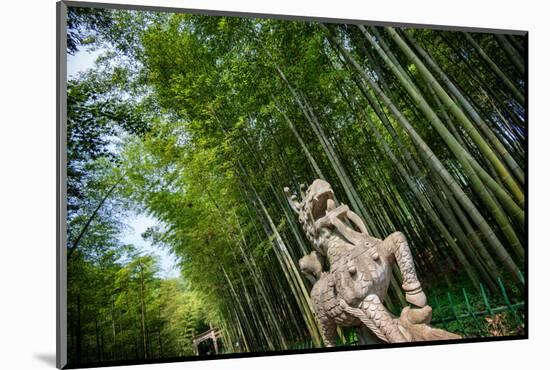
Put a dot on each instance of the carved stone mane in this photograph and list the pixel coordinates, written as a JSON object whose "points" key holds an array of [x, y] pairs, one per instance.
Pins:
{"points": [[352, 291]]}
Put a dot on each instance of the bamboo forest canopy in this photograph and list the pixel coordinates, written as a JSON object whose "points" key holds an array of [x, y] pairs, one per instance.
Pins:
{"points": [[199, 122]]}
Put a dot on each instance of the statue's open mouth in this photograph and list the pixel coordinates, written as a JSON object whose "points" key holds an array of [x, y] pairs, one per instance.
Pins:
{"points": [[322, 202]]}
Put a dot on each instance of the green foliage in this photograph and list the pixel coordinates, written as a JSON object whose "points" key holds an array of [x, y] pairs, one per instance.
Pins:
{"points": [[83, 24]]}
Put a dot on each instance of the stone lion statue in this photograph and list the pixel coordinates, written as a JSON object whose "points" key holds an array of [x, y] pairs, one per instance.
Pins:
{"points": [[351, 292]]}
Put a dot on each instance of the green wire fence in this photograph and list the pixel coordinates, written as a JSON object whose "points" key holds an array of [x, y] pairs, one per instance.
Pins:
{"points": [[480, 315], [470, 314]]}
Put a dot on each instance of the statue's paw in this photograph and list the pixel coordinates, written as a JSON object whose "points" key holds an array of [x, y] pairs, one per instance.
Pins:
{"points": [[420, 315], [414, 323], [417, 298]]}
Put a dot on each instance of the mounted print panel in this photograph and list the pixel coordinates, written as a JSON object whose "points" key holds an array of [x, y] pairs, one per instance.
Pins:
{"points": [[238, 185]]}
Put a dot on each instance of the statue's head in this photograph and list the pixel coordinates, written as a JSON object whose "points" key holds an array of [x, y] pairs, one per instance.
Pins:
{"points": [[316, 200], [320, 197]]}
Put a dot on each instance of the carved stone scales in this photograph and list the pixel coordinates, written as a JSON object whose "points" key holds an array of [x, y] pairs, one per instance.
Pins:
{"points": [[352, 292]]}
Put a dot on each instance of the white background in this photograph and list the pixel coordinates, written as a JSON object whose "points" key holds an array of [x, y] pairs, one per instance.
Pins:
{"points": [[27, 182]]}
